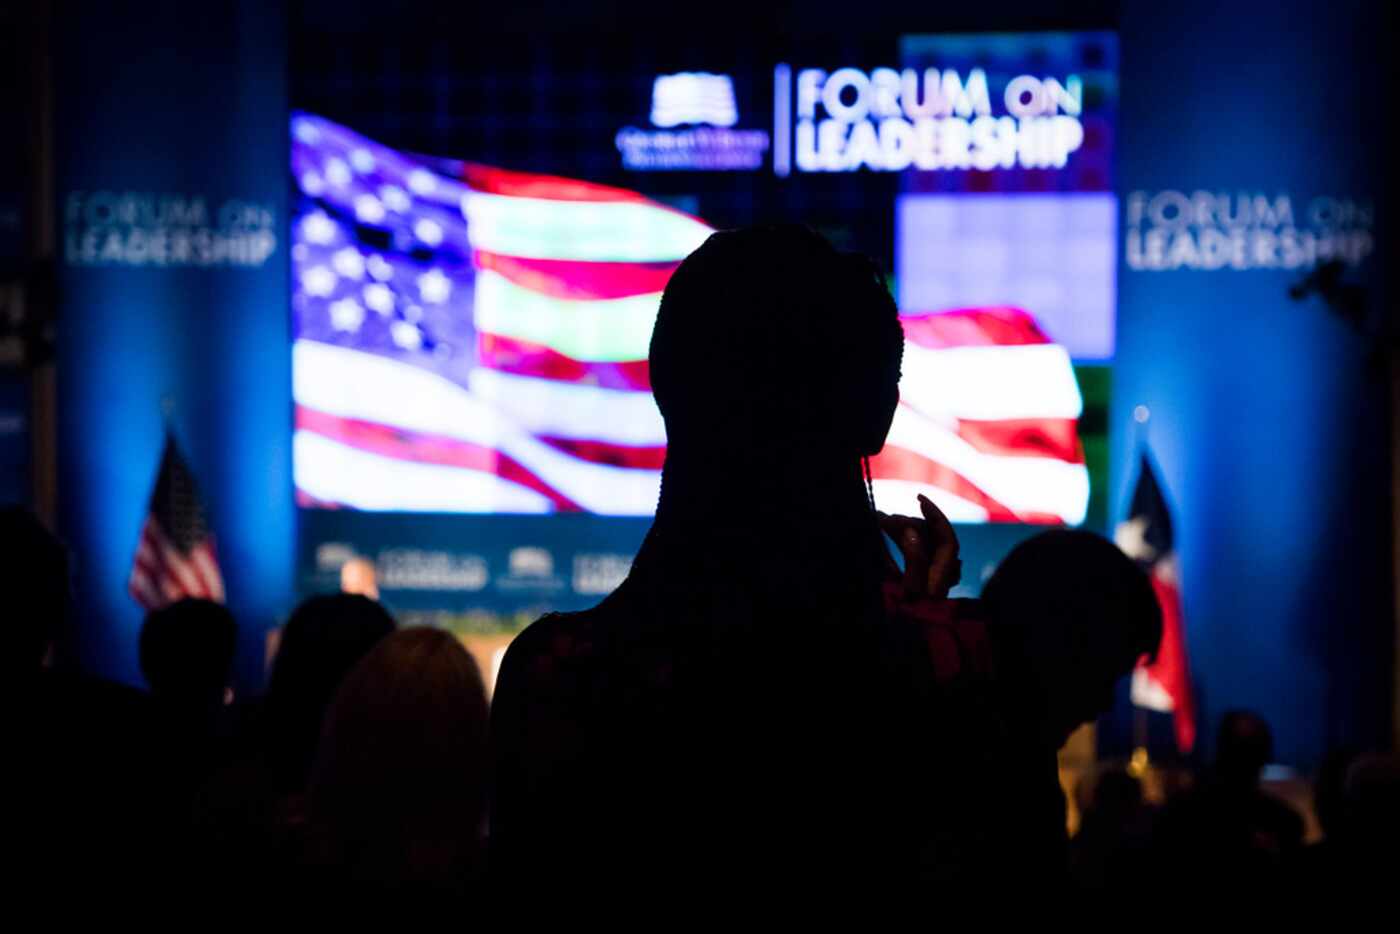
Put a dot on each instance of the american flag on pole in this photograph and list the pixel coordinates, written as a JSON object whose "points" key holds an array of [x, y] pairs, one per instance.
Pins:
{"points": [[474, 339], [175, 556], [1163, 685]]}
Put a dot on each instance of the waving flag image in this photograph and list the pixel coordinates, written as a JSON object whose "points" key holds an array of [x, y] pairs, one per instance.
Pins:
{"points": [[473, 339], [987, 422]]}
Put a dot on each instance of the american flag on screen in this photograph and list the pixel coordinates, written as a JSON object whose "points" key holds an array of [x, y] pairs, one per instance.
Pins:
{"points": [[175, 556], [987, 424], [473, 339]]}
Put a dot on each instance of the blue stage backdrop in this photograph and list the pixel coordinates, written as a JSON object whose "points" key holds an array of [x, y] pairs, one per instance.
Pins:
{"points": [[1267, 421], [1250, 150], [171, 135]]}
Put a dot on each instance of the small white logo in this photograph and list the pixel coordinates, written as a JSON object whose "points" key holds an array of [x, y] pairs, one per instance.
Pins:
{"points": [[331, 555], [693, 117], [597, 574], [531, 562], [418, 569], [693, 97]]}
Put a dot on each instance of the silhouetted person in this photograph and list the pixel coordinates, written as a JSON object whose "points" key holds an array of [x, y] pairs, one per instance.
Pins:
{"points": [[186, 655], [186, 652], [739, 716], [242, 816], [1228, 832], [1361, 855], [1329, 793], [1373, 823], [1325, 866], [396, 797], [34, 578], [1068, 616], [1107, 854], [77, 749], [324, 638]]}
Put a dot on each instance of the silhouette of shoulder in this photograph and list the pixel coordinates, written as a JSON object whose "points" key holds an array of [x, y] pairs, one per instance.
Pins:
{"points": [[553, 646], [549, 673], [551, 680]]}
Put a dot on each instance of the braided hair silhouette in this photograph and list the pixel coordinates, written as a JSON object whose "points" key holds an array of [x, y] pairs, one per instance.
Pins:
{"points": [[741, 703], [775, 362]]}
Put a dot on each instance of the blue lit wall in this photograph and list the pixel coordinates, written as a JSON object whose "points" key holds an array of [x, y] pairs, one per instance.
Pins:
{"points": [[1267, 414], [185, 99], [1267, 421]]}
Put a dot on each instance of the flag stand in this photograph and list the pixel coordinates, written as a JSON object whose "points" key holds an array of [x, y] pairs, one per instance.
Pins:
{"points": [[1138, 764], [1139, 761]]}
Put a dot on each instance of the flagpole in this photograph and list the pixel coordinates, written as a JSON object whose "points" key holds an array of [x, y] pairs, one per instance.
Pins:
{"points": [[167, 421], [1137, 765]]}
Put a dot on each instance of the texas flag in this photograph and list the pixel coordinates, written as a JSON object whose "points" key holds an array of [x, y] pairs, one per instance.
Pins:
{"points": [[1145, 536]]}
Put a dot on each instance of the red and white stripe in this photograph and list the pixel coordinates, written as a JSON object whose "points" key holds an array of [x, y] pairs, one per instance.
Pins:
{"points": [[558, 414], [987, 422], [162, 574], [360, 416]]}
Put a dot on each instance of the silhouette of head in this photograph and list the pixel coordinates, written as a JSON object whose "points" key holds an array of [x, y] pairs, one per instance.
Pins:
{"points": [[34, 578], [400, 772], [775, 364], [322, 641], [1244, 745], [1329, 789], [770, 340], [186, 652], [1070, 614]]}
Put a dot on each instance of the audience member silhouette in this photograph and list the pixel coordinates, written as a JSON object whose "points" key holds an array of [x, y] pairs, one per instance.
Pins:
{"points": [[1369, 851], [1227, 832], [186, 652], [186, 655], [324, 638], [1108, 855], [740, 714], [396, 798], [1360, 859], [242, 834], [35, 580], [1068, 615], [78, 749], [1322, 863], [765, 707], [1330, 790]]}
